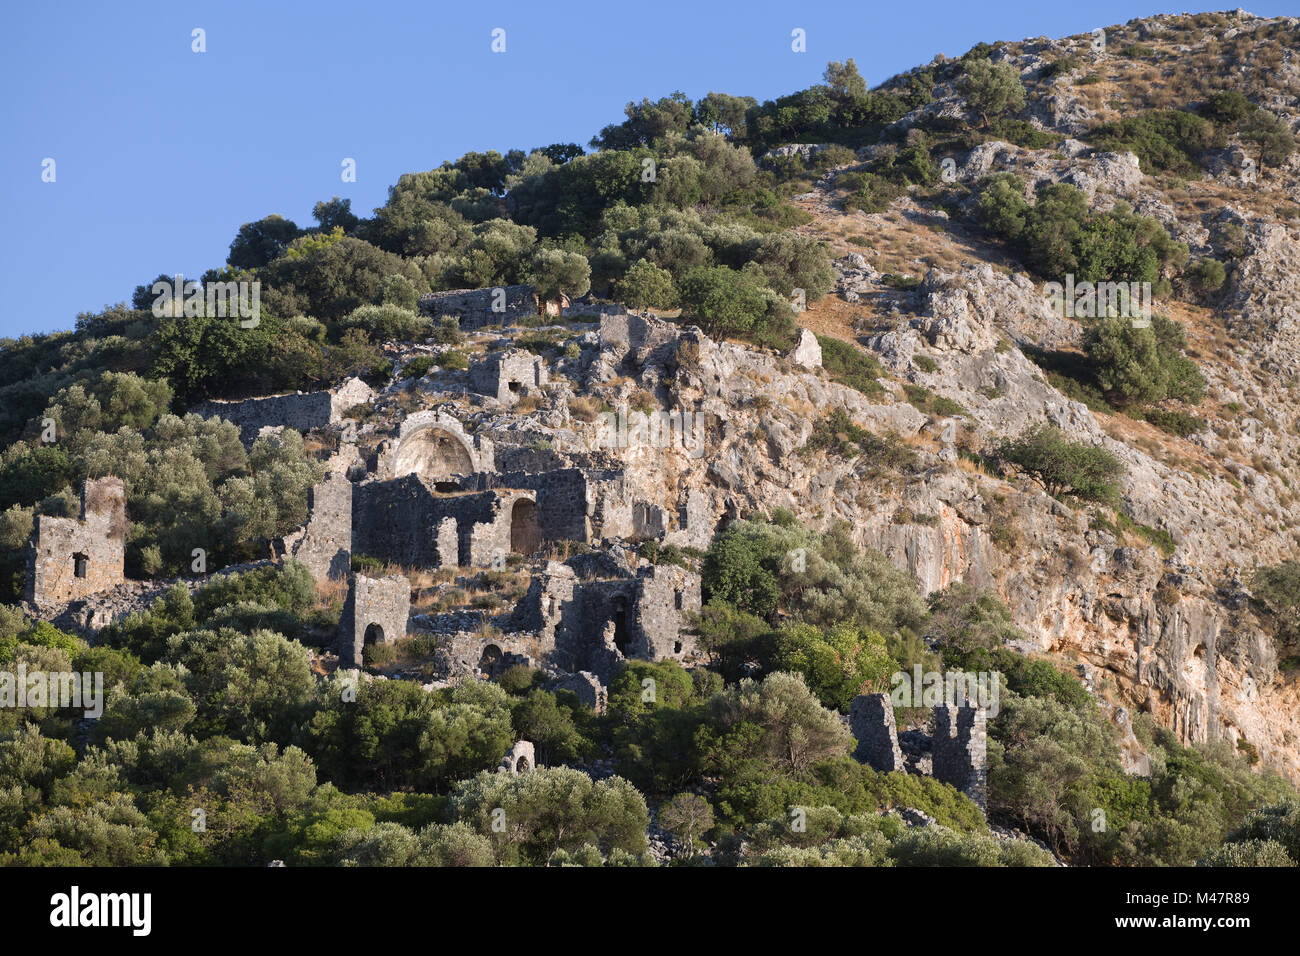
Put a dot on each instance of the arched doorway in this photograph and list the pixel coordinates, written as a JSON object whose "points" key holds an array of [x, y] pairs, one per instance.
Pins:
{"points": [[525, 534], [374, 635], [490, 659]]}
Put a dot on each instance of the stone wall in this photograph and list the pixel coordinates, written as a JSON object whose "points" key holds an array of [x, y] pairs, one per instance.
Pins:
{"points": [[666, 594], [301, 411], [591, 693], [960, 750], [563, 498], [375, 612], [325, 543], [871, 720], [475, 307], [436, 446], [71, 558], [406, 521], [508, 375]]}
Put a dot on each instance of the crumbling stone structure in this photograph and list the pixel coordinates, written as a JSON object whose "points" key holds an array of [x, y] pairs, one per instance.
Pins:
{"points": [[571, 501], [406, 520], [435, 446], [476, 308], [958, 747], [871, 720], [302, 411], [375, 612], [649, 339], [508, 375], [521, 758], [591, 693], [324, 543], [960, 750], [595, 625], [71, 558]]}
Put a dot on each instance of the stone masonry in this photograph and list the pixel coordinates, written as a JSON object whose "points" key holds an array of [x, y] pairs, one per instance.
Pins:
{"points": [[871, 720], [508, 375], [521, 758], [405, 521], [71, 558], [375, 612], [324, 544], [476, 308], [958, 748], [302, 411], [960, 757]]}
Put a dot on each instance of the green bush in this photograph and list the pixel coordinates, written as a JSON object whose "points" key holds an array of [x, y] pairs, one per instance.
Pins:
{"points": [[452, 359], [851, 366], [418, 367], [1207, 274], [1065, 467], [1143, 364], [645, 285], [1165, 141]]}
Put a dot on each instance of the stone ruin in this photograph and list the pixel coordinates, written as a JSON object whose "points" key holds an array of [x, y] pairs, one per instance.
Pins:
{"points": [[73, 558], [959, 744], [591, 693], [960, 750], [871, 720], [302, 411], [375, 612], [324, 543], [433, 444], [476, 308], [409, 521], [521, 758], [508, 375], [593, 625]]}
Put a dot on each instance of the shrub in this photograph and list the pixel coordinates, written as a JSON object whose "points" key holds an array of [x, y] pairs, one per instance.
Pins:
{"points": [[645, 285], [452, 359], [992, 88], [727, 302], [447, 331], [1207, 274], [1165, 141], [1065, 467], [418, 367], [1173, 421], [1276, 589], [850, 366], [386, 323], [1143, 364]]}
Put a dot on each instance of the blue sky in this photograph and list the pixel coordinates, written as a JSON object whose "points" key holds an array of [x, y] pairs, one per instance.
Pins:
{"points": [[161, 153]]}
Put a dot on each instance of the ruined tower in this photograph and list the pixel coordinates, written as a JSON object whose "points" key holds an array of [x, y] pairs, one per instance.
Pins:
{"points": [[959, 753]]}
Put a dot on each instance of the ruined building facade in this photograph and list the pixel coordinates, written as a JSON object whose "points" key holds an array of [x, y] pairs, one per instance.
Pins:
{"points": [[73, 558], [375, 612], [958, 747]]}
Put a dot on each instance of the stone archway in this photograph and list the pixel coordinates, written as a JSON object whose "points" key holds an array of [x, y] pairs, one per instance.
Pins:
{"points": [[374, 635], [525, 530], [434, 453]]}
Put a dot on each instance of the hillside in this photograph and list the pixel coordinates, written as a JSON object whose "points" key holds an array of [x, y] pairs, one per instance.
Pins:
{"points": [[657, 468]]}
